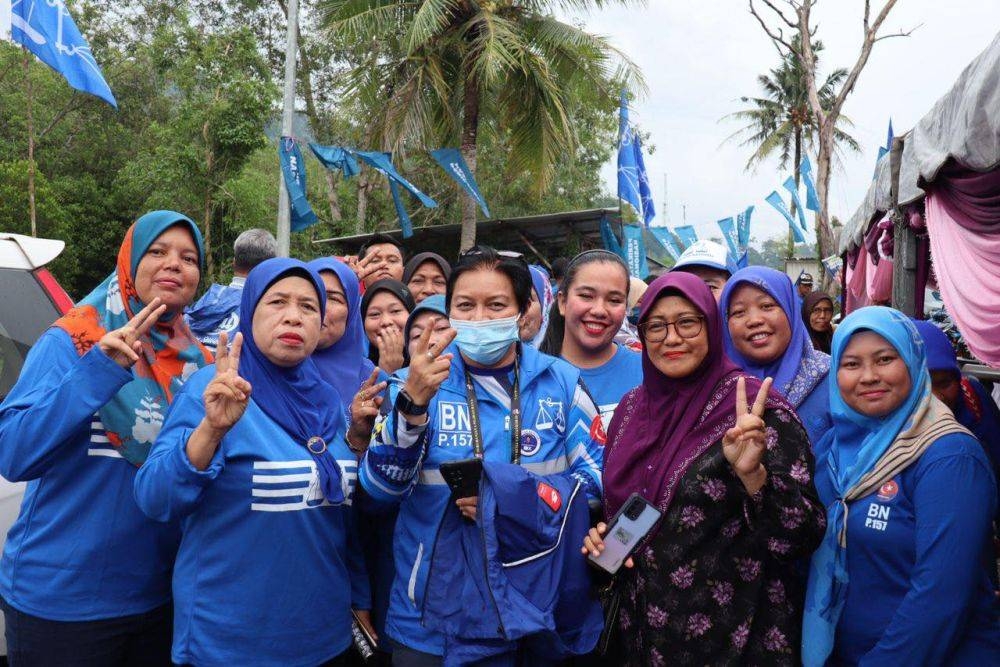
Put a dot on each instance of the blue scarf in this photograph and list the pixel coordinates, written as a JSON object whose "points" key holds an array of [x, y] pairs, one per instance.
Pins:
{"points": [[296, 398], [345, 365], [853, 448], [801, 368]]}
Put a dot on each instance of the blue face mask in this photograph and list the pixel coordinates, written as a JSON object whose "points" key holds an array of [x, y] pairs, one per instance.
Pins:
{"points": [[486, 341]]}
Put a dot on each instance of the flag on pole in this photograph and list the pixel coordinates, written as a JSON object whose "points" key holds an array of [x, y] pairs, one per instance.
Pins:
{"points": [[687, 235], [336, 158], [450, 159], [46, 28], [4, 20], [743, 237], [728, 228], [635, 251], [293, 168], [633, 183], [812, 199], [789, 185], [774, 199], [383, 163], [666, 239]]}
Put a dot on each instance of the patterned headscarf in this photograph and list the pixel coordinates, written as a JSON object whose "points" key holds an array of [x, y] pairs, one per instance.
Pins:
{"points": [[543, 290], [170, 353], [801, 367]]}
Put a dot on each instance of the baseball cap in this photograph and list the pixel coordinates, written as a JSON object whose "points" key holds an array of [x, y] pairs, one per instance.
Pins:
{"points": [[805, 278], [707, 253]]}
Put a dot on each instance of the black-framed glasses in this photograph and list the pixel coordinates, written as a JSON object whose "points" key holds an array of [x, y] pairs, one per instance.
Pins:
{"points": [[655, 331]]}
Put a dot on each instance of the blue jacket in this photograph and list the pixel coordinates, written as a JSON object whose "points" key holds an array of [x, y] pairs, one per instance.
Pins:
{"points": [[216, 311], [514, 578], [919, 557], [267, 570], [81, 549], [401, 465], [814, 411]]}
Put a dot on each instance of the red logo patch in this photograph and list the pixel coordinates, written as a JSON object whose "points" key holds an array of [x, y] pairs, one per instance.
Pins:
{"points": [[887, 491], [597, 433], [549, 496]]}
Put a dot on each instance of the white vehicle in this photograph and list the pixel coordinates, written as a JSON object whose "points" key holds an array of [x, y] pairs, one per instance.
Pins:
{"points": [[32, 301]]}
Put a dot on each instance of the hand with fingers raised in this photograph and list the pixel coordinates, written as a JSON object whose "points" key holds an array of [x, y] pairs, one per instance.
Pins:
{"points": [[364, 409], [124, 345], [364, 268], [226, 398], [390, 349], [428, 368], [744, 444]]}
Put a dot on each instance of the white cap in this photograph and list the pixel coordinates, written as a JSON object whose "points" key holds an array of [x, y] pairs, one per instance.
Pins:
{"points": [[707, 253]]}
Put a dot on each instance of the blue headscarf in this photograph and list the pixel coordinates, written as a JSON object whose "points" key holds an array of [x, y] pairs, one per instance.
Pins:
{"points": [[345, 364], [796, 372], [296, 398], [852, 448]]}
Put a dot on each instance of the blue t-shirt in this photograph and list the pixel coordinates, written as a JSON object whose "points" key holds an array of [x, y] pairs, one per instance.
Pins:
{"points": [[814, 411], [267, 569], [608, 383], [918, 557], [81, 549]]}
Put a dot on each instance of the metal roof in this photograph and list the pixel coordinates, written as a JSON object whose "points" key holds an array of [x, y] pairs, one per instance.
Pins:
{"points": [[539, 235]]}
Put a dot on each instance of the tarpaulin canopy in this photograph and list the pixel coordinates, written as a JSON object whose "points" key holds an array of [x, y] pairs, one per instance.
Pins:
{"points": [[963, 125]]}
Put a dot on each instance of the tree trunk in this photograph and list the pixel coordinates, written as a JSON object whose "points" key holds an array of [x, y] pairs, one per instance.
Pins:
{"points": [[359, 227], [331, 196], [207, 224], [32, 213], [470, 130], [795, 170], [824, 233]]}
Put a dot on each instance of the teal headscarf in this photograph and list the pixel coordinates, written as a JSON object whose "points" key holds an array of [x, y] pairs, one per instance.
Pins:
{"points": [[853, 448]]}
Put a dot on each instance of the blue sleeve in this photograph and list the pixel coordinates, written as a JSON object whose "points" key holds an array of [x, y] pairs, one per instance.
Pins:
{"points": [[53, 402], [361, 593], [584, 453], [951, 533], [395, 454], [167, 487]]}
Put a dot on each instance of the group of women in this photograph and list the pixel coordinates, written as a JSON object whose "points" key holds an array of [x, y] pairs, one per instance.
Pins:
{"points": [[818, 505]]}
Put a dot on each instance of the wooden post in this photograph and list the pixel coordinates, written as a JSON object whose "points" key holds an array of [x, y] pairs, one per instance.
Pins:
{"points": [[904, 265]]}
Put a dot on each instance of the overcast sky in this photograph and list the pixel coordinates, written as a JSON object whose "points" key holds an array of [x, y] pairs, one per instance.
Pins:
{"points": [[700, 56]]}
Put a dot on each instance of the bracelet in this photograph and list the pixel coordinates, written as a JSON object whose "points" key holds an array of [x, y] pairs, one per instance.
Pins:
{"points": [[350, 446]]}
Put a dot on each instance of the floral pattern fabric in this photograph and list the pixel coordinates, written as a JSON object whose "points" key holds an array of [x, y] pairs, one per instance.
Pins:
{"points": [[723, 580]]}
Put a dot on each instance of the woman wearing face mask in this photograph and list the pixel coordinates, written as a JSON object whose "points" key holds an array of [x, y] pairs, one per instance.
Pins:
{"points": [[84, 572], [384, 309], [902, 576], [252, 460], [730, 467], [817, 313], [592, 306], [426, 275], [486, 396], [535, 322], [767, 338]]}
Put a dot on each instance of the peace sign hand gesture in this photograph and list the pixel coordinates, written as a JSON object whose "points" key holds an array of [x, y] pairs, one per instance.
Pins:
{"points": [[124, 345], [227, 395], [744, 444], [428, 367], [364, 410]]}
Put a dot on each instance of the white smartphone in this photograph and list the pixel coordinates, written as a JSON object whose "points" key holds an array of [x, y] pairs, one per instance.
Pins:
{"points": [[627, 528]]}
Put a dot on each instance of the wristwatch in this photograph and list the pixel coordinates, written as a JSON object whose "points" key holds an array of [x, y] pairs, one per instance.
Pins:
{"points": [[406, 405]]}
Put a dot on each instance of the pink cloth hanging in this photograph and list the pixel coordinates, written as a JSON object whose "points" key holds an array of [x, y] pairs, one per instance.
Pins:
{"points": [[966, 263], [857, 294]]}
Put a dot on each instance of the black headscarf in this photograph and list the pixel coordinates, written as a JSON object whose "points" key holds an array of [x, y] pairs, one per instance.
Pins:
{"points": [[821, 340]]}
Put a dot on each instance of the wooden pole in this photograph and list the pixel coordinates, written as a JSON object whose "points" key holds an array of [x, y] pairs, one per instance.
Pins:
{"points": [[904, 265], [31, 143]]}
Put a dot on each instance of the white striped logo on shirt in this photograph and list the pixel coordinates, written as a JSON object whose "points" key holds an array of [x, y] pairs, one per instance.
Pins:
{"points": [[99, 443], [290, 486]]}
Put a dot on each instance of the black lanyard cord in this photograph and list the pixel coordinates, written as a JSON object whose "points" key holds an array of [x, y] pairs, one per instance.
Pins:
{"points": [[515, 417]]}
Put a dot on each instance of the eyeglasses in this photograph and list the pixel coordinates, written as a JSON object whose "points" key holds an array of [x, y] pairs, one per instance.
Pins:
{"points": [[655, 331], [823, 311]]}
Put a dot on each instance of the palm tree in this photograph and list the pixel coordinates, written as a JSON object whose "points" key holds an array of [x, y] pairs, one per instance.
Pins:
{"points": [[781, 121], [440, 71]]}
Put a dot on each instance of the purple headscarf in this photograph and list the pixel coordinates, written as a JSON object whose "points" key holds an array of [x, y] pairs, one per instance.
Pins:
{"points": [[663, 425], [801, 367]]}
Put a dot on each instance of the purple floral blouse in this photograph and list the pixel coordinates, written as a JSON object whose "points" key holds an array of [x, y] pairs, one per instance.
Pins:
{"points": [[723, 581]]}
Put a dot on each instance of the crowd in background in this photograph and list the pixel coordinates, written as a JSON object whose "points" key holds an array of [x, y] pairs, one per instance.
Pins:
{"points": [[261, 476]]}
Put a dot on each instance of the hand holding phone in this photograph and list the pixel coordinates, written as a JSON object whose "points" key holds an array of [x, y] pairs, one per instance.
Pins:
{"points": [[462, 477], [636, 518]]}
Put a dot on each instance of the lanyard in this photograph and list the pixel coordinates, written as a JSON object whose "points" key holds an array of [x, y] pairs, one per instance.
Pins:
{"points": [[515, 417]]}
